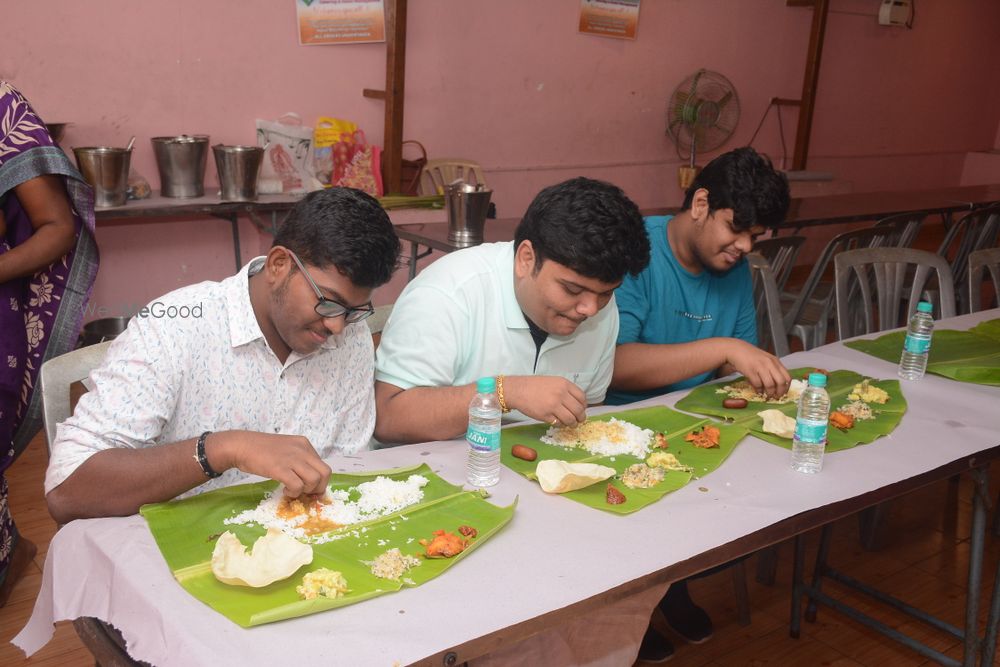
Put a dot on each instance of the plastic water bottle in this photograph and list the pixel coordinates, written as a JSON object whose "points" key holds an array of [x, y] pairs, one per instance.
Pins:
{"points": [[483, 435], [917, 344], [811, 424]]}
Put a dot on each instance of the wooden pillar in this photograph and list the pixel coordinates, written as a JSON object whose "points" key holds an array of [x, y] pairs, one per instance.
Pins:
{"points": [[395, 76], [810, 79]]}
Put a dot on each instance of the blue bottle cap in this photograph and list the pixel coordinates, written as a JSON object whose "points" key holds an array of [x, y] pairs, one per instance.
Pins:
{"points": [[486, 385], [925, 307], [817, 379]]}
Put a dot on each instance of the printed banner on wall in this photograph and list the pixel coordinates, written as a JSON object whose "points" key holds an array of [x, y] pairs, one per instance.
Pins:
{"points": [[340, 21], [610, 18]]}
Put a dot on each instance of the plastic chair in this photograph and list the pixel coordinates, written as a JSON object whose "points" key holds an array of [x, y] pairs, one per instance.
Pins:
{"points": [[980, 261], [377, 322], [886, 269], [905, 226], [767, 301], [780, 253], [809, 312], [103, 641], [441, 172], [55, 378], [975, 231]]}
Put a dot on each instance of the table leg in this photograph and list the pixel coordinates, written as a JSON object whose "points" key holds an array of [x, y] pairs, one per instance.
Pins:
{"points": [[413, 260], [796, 619], [235, 222], [975, 567], [990, 643], [820, 570], [415, 257]]}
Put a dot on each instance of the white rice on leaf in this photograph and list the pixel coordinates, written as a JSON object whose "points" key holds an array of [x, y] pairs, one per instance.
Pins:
{"points": [[376, 498], [606, 438]]}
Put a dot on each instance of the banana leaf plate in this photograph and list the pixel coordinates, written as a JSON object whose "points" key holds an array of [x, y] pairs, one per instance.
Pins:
{"points": [[186, 530], [966, 356], [706, 400], [672, 424]]}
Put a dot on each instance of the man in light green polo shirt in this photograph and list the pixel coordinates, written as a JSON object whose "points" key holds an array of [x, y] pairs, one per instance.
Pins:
{"points": [[532, 312]]}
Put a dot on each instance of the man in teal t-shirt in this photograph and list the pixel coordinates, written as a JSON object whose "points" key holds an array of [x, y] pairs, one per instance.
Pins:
{"points": [[690, 316], [667, 303]]}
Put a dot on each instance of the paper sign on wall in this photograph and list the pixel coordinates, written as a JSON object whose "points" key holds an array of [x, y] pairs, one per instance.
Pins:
{"points": [[340, 21], [610, 18]]}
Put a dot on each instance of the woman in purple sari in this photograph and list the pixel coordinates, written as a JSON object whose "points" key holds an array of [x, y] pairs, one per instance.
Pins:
{"points": [[48, 262]]}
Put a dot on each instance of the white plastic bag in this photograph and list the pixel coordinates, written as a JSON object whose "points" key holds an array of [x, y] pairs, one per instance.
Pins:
{"points": [[288, 155]]}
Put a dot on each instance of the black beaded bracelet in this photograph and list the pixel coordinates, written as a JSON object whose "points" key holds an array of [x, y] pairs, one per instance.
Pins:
{"points": [[199, 456]]}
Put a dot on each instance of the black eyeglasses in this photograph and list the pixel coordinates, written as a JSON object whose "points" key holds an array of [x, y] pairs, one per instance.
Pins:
{"points": [[329, 307]]}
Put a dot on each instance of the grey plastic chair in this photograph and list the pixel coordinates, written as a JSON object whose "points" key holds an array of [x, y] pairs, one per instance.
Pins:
{"points": [[905, 226], [780, 253], [807, 314], [378, 321], [767, 300], [55, 377], [882, 290], [987, 259], [975, 231]]}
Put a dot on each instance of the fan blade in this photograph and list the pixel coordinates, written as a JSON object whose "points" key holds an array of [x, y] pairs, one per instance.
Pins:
{"points": [[672, 125], [694, 81], [725, 99], [723, 127]]}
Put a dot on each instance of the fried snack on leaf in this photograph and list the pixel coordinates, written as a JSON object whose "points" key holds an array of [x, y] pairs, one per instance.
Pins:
{"points": [[444, 545], [273, 557], [706, 437], [778, 423], [840, 420], [555, 476]]}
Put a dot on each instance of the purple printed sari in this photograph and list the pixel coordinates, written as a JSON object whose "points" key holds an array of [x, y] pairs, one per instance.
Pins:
{"points": [[40, 315]]}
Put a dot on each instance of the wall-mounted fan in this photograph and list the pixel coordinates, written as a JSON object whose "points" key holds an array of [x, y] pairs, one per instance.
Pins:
{"points": [[701, 116]]}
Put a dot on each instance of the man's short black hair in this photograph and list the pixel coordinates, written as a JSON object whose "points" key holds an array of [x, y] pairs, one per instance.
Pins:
{"points": [[588, 226], [744, 181], [346, 228]]}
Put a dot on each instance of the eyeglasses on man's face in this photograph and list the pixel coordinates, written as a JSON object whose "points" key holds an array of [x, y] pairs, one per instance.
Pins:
{"points": [[330, 308]]}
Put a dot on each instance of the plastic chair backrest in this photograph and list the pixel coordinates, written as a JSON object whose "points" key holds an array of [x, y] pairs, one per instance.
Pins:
{"points": [[767, 301], [780, 253], [439, 173], [55, 377], [987, 259], [975, 231], [377, 321], [867, 237], [905, 226], [890, 268]]}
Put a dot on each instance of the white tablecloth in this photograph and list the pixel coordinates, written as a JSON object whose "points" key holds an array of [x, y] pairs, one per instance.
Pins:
{"points": [[554, 552]]}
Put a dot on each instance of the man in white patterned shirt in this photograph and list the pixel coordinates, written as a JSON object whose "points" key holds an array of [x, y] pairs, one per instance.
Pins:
{"points": [[266, 373]]}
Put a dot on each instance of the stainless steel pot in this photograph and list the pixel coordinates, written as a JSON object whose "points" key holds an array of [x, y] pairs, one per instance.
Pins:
{"points": [[106, 169], [181, 161], [238, 167]]}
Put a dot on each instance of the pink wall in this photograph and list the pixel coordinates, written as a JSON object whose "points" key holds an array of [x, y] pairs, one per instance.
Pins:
{"points": [[510, 84]]}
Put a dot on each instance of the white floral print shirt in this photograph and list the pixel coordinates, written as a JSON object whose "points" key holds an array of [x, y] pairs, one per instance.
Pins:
{"points": [[173, 375]]}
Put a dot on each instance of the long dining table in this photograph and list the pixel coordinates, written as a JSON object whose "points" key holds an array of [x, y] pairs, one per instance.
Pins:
{"points": [[555, 560]]}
